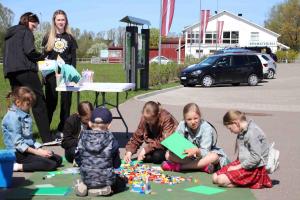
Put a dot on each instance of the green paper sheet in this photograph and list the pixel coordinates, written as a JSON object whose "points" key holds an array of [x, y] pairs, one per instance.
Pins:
{"points": [[52, 191], [205, 190], [177, 144]]}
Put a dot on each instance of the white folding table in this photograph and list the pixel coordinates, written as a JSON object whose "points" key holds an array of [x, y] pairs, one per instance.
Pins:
{"points": [[101, 88]]}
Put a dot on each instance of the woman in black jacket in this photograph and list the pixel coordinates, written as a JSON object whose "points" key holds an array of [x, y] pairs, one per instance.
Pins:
{"points": [[20, 67], [73, 126], [59, 41]]}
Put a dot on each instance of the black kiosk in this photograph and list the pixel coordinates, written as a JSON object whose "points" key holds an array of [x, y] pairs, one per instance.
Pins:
{"points": [[136, 52]]}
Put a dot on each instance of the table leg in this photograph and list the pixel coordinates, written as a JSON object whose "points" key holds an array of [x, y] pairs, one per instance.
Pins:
{"points": [[78, 98], [121, 117]]}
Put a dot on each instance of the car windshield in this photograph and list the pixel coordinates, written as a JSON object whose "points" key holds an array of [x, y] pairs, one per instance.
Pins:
{"points": [[209, 61]]}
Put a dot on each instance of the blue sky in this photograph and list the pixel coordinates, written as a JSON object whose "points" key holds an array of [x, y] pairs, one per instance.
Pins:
{"points": [[102, 15]]}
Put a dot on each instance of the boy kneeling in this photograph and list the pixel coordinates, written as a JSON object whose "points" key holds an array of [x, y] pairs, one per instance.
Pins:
{"points": [[98, 155]]}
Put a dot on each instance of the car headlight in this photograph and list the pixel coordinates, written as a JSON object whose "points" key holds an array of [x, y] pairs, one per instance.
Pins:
{"points": [[197, 72]]}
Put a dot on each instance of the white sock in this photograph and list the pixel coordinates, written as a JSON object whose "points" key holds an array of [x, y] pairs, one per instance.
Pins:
{"points": [[18, 167]]}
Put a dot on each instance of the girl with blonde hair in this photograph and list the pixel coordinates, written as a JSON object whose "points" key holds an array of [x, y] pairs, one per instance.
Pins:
{"points": [[206, 156], [59, 42], [248, 170]]}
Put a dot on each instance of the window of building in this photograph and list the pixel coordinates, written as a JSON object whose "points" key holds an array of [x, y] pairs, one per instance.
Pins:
{"points": [[254, 36], [230, 37], [234, 37], [210, 37]]}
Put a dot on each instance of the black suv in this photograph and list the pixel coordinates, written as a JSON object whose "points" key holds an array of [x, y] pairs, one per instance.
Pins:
{"points": [[224, 68]]}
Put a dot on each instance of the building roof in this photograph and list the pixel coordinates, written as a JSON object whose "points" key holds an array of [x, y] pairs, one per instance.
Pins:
{"points": [[235, 17]]}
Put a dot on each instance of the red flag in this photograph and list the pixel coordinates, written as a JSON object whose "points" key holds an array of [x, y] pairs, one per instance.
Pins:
{"points": [[168, 7], [205, 14], [220, 25]]}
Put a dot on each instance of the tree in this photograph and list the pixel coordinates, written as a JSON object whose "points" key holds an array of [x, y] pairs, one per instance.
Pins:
{"points": [[120, 34], [154, 38], [6, 18], [284, 19], [95, 49]]}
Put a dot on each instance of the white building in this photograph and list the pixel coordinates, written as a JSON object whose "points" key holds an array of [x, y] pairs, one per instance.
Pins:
{"points": [[237, 32]]}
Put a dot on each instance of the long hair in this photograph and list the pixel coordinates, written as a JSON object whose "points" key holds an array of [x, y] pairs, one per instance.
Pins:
{"points": [[151, 108], [21, 94], [52, 32], [84, 108], [233, 115], [191, 107], [28, 17]]}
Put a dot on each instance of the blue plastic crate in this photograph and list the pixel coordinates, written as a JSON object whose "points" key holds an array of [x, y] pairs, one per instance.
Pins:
{"points": [[7, 159]]}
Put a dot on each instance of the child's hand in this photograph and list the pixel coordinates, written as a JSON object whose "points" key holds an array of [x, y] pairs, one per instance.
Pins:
{"points": [[141, 155], [232, 168], [127, 157], [192, 152], [44, 153]]}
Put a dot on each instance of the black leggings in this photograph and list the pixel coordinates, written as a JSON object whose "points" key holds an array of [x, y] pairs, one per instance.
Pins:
{"points": [[70, 154], [39, 110], [52, 98], [157, 156], [33, 162]]}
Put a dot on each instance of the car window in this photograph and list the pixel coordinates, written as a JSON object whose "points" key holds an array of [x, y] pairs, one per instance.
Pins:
{"points": [[265, 57], [224, 61], [239, 60], [163, 58], [253, 59], [209, 61]]}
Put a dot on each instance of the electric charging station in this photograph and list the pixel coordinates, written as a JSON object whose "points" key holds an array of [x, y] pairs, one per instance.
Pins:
{"points": [[136, 52]]}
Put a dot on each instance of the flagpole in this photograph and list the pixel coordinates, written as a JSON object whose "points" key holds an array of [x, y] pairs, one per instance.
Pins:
{"points": [[217, 35], [160, 23], [200, 32]]}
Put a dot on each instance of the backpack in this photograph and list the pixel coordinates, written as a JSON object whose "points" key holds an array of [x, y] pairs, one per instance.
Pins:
{"points": [[273, 159]]}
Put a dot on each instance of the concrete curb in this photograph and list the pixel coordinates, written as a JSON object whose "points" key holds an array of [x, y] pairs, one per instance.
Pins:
{"points": [[142, 96]]}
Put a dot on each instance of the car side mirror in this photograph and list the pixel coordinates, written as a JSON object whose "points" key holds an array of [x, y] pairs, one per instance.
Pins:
{"points": [[220, 65]]}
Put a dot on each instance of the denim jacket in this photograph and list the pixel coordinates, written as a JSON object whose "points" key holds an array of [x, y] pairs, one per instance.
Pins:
{"points": [[204, 139], [17, 130]]}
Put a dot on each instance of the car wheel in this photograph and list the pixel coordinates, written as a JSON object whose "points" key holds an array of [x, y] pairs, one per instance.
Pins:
{"points": [[207, 81], [271, 74], [252, 80], [236, 84]]}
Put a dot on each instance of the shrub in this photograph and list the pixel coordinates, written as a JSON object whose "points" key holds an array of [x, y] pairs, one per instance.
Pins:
{"points": [[287, 56]]}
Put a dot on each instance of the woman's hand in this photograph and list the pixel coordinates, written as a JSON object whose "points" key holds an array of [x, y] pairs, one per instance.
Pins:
{"points": [[127, 157], [192, 152], [141, 155]]}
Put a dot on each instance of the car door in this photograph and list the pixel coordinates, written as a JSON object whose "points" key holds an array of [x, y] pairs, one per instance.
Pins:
{"points": [[222, 69], [239, 68]]}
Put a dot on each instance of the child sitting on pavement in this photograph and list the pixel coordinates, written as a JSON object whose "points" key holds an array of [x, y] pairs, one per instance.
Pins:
{"points": [[98, 155]]}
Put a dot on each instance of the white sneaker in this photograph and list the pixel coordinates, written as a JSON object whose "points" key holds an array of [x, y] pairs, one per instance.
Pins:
{"points": [[17, 167], [80, 188], [105, 191]]}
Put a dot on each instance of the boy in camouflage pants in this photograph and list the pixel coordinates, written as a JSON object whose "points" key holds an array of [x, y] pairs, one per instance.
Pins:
{"points": [[98, 155]]}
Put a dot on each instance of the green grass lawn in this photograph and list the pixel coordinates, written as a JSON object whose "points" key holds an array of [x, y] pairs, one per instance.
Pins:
{"points": [[103, 73]]}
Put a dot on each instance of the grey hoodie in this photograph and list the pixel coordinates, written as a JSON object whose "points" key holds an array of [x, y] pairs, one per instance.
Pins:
{"points": [[253, 146]]}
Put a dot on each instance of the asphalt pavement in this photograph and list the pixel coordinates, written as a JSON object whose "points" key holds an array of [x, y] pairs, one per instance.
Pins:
{"points": [[274, 105]]}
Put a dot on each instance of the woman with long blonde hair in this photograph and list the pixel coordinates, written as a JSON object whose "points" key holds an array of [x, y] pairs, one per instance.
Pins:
{"points": [[59, 41]]}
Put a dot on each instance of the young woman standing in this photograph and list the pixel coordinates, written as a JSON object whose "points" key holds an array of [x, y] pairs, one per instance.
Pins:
{"points": [[59, 41], [20, 67]]}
